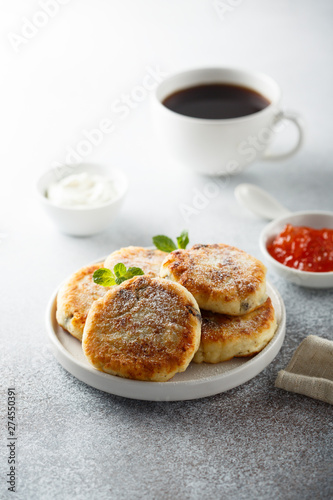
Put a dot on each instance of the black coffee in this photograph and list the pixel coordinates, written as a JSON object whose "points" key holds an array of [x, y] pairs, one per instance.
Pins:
{"points": [[216, 101]]}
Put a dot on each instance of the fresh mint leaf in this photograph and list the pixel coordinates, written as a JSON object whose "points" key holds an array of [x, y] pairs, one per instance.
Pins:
{"points": [[183, 239], [104, 277], [164, 243], [133, 271], [119, 270], [167, 245], [120, 280]]}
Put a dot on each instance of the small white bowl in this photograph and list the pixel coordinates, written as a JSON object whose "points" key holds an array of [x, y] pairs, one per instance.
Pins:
{"points": [[83, 221], [314, 219]]}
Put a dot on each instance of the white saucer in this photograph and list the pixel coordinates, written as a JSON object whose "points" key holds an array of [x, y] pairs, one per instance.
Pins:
{"points": [[198, 381]]}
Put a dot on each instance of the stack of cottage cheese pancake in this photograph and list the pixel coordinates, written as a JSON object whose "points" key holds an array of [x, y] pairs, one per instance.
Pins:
{"points": [[203, 304]]}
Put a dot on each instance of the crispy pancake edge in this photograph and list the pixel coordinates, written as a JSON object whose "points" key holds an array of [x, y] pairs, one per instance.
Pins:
{"points": [[71, 311], [224, 337]]}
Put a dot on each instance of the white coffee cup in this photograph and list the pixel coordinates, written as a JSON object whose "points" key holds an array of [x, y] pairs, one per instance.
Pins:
{"points": [[222, 146]]}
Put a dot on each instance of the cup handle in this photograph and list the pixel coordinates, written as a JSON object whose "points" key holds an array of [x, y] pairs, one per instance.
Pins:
{"points": [[297, 121]]}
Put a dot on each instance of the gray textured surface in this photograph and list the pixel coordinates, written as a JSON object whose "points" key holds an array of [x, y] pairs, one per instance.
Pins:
{"points": [[253, 442]]}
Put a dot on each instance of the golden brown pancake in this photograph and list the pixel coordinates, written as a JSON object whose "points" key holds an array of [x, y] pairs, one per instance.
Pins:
{"points": [[221, 278], [149, 260], [75, 298], [224, 337], [144, 329]]}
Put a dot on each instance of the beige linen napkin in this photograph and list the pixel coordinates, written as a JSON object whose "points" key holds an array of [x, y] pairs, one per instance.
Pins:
{"points": [[310, 370]]}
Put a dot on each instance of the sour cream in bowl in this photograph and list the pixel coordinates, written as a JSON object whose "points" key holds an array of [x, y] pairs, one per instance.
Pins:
{"points": [[84, 199], [82, 190]]}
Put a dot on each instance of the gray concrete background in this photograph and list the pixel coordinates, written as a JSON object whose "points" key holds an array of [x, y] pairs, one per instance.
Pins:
{"points": [[252, 442]]}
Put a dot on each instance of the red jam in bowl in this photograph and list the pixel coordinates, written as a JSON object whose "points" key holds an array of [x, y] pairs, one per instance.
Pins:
{"points": [[304, 248]]}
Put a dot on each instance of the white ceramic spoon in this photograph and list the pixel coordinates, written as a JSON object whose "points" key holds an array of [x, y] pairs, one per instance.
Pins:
{"points": [[259, 202], [264, 205]]}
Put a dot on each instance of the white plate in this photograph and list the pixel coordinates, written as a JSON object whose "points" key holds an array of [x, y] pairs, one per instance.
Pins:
{"points": [[198, 381]]}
